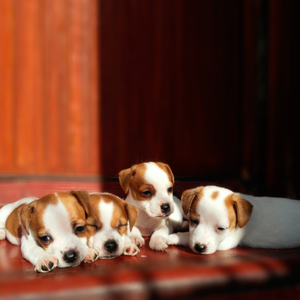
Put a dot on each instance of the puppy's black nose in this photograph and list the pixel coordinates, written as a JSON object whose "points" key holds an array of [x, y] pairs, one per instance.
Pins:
{"points": [[165, 208], [200, 248], [111, 246], [70, 256]]}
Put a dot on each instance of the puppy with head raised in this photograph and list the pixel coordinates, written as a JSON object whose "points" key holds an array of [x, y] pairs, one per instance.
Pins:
{"points": [[109, 221], [51, 230], [149, 187], [221, 220]]}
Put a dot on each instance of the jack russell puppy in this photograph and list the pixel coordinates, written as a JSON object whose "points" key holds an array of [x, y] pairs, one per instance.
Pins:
{"points": [[109, 221], [221, 220], [51, 230], [149, 187]]}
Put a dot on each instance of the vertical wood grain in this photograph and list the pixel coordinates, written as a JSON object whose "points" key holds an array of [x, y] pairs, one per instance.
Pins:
{"points": [[26, 85], [7, 62], [49, 87]]}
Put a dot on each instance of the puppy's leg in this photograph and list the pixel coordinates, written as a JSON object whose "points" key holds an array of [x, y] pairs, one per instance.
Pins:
{"points": [[130, 248], [91, 255], [42, 261], [136, 237], [228, 243], [179, 238], [159, 238]]}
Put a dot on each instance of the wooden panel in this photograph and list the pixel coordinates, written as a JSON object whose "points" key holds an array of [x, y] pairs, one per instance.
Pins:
{"points": [[90, 87], [27, 86], [283, 87], [171, 85], [6, 86], [50, 99]]}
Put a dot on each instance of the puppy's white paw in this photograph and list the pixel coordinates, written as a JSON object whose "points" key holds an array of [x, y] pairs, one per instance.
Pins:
{"points": [[47, 264], [138, 240], [158, 243], [131, 249], [2, 234], [223, 246], [91, 255], [173, 239]]}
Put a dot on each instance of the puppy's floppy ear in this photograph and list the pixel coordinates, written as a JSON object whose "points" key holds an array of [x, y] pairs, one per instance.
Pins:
{"points": [[125, 177], [83, 198], [243, 209], [25, 213], [132, 213], [167, 168], [188, 198]]}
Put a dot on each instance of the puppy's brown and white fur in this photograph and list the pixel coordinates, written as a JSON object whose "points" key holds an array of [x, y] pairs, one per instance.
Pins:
{"points": [[50, 230], [221, 220], [149, 187], [109, 221]]}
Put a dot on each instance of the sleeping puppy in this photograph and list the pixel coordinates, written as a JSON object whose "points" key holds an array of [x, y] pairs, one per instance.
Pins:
{"points": [[149, 187], [221, 220], [50, 230], [109, 221]]}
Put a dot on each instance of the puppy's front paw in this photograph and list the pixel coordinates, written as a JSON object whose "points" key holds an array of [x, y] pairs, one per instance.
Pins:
{"points": [[131, 249], [47, 264], [173, 239], [91, 256], [138, 240], [159, 243]]}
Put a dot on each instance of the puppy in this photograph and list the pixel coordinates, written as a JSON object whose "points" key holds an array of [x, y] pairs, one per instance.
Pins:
{"points": [[221, 220], [109, 221], [51, 230], [149, 187]]}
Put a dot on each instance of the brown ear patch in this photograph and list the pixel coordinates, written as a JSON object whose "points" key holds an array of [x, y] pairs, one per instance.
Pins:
{"points": [[239, 210], [132, 213], [134, 179], [83, 199], [125, 177], [189, 196], [25, 213], [243, 209]]}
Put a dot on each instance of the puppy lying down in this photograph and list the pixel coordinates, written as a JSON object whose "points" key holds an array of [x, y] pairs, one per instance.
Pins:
{"points": [[51, 230], [64, 229], [220, 220], [109, 221]]}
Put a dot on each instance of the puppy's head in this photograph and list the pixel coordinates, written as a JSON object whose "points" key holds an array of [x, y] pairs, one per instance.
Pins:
{"points": [[214, 214], [150, 187], [108, 223], [57, 222]]}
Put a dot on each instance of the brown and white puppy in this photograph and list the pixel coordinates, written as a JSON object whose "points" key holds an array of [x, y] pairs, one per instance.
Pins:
{"points": [[149, 187], [109, 221], [51, 230], [221, 219]]}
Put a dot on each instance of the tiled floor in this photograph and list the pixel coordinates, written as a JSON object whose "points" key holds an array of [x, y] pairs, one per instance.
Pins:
{"points": [[176, 273]]}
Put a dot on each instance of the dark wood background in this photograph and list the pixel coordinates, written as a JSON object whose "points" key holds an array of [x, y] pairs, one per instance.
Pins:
{"points": [[211, 87]]}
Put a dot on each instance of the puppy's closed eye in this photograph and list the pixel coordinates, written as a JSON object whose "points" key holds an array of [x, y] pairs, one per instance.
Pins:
{"points": [[146, 194], [194, 221], [221, 228]]}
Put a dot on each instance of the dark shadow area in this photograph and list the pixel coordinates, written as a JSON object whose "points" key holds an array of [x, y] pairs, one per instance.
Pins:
{"points": [[207, 87]]}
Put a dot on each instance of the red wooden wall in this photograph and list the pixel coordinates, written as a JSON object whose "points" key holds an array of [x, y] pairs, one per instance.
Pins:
{"points": [[49, 95], [90, 87]]}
